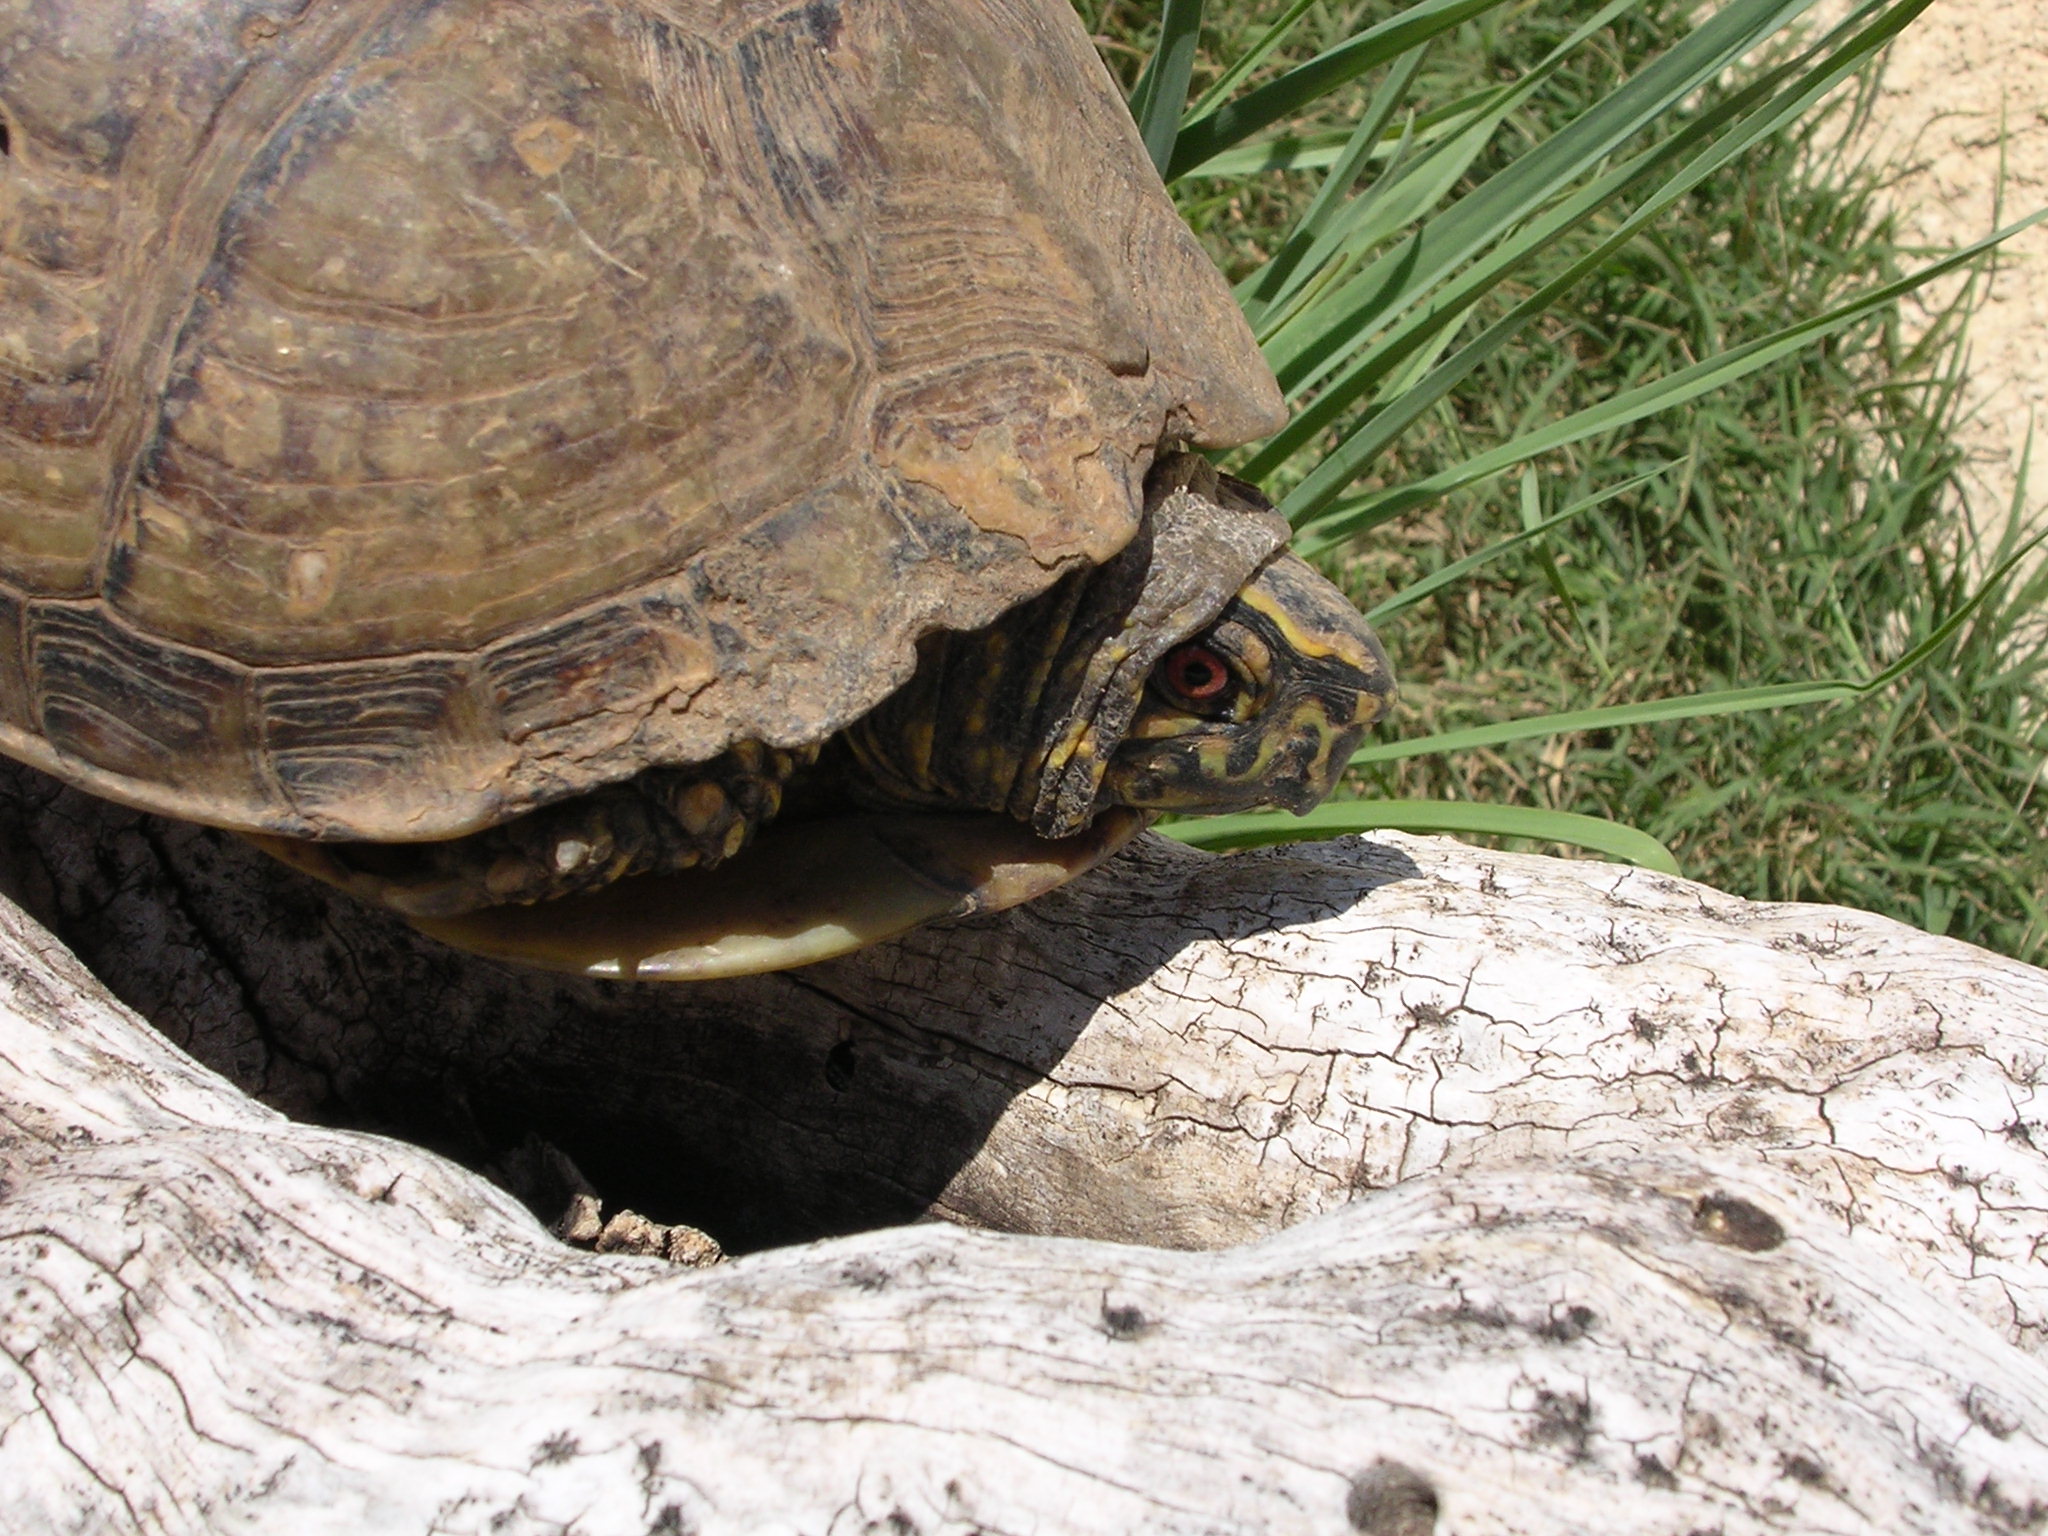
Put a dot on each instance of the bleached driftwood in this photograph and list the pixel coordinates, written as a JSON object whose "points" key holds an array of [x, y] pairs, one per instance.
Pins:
{"points": [[1610, 1203]]}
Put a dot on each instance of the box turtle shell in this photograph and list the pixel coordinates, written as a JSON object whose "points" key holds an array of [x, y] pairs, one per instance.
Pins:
{"points": [[423, 412]]}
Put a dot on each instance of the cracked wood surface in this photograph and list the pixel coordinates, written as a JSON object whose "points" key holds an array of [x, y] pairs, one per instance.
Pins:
{"points": [[1570, 1198]]}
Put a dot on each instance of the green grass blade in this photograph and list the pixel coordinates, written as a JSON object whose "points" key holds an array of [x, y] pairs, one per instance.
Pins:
{"points": [[1255, 829], [1301, 87], [1458, 570], [1700, 706], [1317, 235], [1162, 89], [1611, 717], [1676, 389], [1947, 628], [1530, 502], [1320, 150], [1756, 112], [1318, 339], [1239, 69], [1407, 191], [1400, 199], [1283, 152]]}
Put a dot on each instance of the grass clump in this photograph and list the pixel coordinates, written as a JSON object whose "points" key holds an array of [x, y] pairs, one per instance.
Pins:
{"points": [[1481, 453]]}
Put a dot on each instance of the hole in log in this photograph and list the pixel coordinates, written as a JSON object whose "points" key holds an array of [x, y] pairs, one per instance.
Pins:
{"points": [[1389, 1499], [1125, 1323], [1737, 1224], [839, 1067]]}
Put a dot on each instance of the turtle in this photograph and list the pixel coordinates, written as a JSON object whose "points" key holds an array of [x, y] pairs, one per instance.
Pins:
{"points": [[655, 488]]}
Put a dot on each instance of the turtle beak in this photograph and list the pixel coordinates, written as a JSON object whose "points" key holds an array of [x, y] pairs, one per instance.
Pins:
{"points": [[1321, 750], [1299, 796]]}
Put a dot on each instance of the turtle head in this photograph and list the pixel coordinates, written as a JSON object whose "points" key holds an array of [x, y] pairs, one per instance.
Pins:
{"points": [[1262, 707], [1202, 669]]}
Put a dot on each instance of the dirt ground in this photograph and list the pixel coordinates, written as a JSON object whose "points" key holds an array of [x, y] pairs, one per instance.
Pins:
{"points": [[1965, 72]]}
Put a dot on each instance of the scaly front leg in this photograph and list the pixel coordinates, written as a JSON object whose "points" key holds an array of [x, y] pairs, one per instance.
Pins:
{"points": [[665, 819]]}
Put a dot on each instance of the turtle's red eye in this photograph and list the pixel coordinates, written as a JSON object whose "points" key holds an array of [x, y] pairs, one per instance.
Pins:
{"points": [[1196, 674]]}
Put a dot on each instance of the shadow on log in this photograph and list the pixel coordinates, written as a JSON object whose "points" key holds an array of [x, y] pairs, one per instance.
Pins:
{"points": [[769, 1110]]}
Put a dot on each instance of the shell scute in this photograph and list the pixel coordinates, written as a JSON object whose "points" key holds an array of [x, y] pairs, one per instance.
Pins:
{"points": [[133, 705], [340, 738], [618, 660]]}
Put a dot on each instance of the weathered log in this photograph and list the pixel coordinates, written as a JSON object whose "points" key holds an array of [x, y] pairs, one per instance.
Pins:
{"points": [[1613, 1203], [220, 1322], [1184, 1050]]}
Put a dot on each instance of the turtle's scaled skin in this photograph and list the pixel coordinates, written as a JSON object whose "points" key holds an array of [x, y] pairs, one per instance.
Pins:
{"points": [[1076, 701], [691, 817]]}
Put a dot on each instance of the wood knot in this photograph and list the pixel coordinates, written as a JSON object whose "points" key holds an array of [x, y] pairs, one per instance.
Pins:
{"points": [[1735, 1223]]}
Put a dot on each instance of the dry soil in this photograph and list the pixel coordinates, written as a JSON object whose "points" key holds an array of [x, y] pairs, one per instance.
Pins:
{"points": [[1962, 116]]}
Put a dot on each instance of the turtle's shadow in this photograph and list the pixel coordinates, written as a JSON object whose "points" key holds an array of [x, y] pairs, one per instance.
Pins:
{"points": [[769, 1110]]}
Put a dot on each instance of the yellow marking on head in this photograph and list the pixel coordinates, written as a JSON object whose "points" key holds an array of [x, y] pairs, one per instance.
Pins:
{"points": [[1370, 707], [1278, 731], [1324, 641], [917, 737]]}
